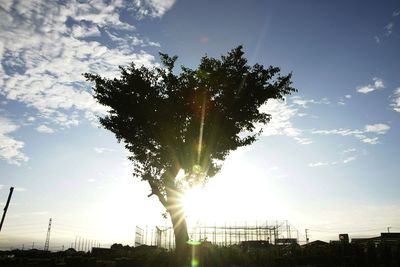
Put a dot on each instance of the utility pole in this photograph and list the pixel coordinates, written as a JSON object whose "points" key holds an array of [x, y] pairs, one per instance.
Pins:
{"points": [[307, 235], [389, 229], [47, 243], [6, 207]]}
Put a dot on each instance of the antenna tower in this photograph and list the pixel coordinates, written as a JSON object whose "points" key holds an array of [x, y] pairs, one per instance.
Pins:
{"points": [[47, 243], [6, 207]]}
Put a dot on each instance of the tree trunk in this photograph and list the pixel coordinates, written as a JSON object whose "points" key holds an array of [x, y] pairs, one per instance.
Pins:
{"points": [[178, 220], [181, 235]]}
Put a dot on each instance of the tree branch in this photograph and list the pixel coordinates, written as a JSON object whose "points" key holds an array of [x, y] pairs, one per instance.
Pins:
{"points": [[155, 190]]}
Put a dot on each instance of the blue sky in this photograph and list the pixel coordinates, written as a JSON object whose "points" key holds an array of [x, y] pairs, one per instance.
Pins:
{"points": [[328, 161]]}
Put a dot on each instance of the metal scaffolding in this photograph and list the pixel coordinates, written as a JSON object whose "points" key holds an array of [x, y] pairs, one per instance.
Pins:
{"points": [[277, 232]]}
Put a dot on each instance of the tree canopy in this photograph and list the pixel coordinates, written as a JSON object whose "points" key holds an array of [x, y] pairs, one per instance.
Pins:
{"points": [[187, 120], [190, 120]]}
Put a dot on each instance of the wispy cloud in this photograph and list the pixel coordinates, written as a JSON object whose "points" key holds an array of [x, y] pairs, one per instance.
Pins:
{"points": [[20, 189], [347, 155], [318, 164], [389, 28], [305, 103], [332, 163], [84, 31], [10, 148], [349, 159], [379, 128], [101, 150], [360, 134], [281, 122], [153, 8], [343, 99], [377, 84], [45, 46], [396, 100], [349, 150], [44, 129]]}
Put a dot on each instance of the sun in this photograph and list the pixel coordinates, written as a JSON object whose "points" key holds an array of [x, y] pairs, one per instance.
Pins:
{"points": [[196, 204]]}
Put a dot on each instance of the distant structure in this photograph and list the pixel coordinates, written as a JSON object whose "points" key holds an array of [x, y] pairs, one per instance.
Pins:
{"points": [[6, 207], [386, 238], [138, 236], [246, 234], [47, 243], [344, 238]]}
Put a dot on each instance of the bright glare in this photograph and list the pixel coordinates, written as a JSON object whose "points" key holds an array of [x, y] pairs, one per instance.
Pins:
{"points": [[195, 204]]}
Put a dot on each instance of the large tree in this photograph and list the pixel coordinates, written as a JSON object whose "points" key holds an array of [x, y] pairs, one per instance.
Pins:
{"points": [[188, 120]]}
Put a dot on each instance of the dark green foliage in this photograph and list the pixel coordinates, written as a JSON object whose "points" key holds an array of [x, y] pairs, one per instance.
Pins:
{"points": [[159, 114]]}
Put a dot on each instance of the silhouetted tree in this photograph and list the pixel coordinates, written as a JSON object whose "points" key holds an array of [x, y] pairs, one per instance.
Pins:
{"points": [[188, 121]]}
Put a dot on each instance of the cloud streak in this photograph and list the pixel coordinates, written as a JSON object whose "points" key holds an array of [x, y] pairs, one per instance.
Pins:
{"points": [[10, 148], [305, 103], [44, 129], [377, 84], [281, 121], [347, 156], [396, 100], [364, 135]]}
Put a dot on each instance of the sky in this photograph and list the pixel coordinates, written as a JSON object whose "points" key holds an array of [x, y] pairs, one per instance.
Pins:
{"points": [[328, 161]]}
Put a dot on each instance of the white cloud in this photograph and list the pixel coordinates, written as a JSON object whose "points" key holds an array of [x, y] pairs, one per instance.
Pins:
{"points": [[280, 124], [362, 135], [366, 89], [31, 119], [370, 140], [10, 149], [389, 28], [101, 150], [396, 100], [304, 103], [349, 150], [349, 159], [396, 13], [153, 8], [79, 31], [44, 129], [379, 128], [317, 164], [43, 56], [342, 100], [346, 156], [20, 189], [91, 180], [378, 84]]}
